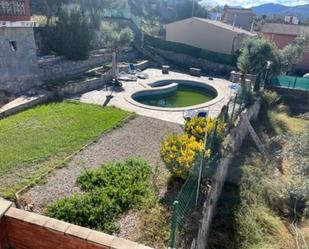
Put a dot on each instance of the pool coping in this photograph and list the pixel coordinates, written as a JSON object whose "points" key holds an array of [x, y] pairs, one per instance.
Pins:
{"points": [[200, 81]]}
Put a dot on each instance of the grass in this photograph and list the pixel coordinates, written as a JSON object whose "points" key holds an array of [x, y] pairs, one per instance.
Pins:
{"points": [[254, 210], [282, 122], [36, 140]]}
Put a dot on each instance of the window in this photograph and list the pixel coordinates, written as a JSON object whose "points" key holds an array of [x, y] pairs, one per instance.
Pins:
{"points": [[13, 45]]}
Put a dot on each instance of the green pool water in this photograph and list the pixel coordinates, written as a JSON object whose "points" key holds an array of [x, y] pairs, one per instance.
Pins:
{"points": [[184, 96]]}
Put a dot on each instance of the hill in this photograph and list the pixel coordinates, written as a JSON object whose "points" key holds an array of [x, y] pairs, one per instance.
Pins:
{"points": [[301, 11]]}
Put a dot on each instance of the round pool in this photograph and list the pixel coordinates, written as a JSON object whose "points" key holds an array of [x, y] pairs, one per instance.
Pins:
{"points": [[175, 94], [183, 96]]}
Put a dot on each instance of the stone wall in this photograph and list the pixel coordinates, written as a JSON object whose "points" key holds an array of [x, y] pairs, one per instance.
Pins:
{"points": [[296, 99], [184, 60], [57, 67], [53, 67], [84, 86], [92, 84], [231, 145], [18, 64]]}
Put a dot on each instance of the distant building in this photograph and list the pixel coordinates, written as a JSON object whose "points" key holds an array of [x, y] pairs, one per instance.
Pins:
{"points": [[284, 34], [291, 19], [207, 34], [217, 16], [18, 60], [18, 10], [238, 17]]}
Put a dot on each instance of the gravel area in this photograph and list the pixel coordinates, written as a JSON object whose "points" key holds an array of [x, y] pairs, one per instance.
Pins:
{"points": [[140, 137]]}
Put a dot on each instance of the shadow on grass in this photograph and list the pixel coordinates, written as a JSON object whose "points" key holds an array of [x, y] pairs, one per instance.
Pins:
{"points": [[223, 232], [173, 187]]}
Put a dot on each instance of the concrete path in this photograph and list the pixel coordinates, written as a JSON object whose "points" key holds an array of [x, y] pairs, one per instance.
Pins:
{"points": [[119, 98]]}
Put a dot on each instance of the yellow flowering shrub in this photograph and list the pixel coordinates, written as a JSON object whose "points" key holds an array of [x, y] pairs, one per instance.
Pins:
{"points": [[197, 127], [178, 153]]}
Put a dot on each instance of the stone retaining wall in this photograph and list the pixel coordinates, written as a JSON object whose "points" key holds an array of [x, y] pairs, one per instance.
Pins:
{"points": [[20, 229], [231, 145], [57, 67], [93, 84], [184, 60], [82, 87]]}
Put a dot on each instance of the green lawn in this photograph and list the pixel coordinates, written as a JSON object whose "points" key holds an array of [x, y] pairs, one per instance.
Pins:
{"points": [[36, 140]]}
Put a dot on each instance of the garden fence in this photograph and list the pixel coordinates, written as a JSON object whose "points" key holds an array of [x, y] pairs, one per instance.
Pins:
{"points": [[187, 198], [122, 14], [190, 50], [291, 82]]}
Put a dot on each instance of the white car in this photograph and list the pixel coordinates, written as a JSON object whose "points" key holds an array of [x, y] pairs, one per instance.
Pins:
{"points": [[306, 76]]}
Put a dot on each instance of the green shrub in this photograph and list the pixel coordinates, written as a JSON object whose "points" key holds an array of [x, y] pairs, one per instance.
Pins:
{"points": [[72, 35], [271, 98], [111, 190], [191, 51], [197, 127], [178, 152]]}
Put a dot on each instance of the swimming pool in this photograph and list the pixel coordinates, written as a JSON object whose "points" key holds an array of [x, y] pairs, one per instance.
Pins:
{"points": [[175, 94], [182, 96]]}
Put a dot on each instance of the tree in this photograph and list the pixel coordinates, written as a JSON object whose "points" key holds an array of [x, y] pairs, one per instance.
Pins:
{"points": [[72, 35], [290, 55], [254, 57], [94, 9], [52, 7], [191, 8], [117, 40]]}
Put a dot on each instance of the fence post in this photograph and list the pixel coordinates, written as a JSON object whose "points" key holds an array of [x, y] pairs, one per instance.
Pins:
{"points": [[295, 83], [172, 244], [232, 115]]}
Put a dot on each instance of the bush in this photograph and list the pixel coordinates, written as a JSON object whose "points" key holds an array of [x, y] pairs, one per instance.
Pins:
{"points": [[72, 35], [191, 51], [111, 190], [197, 127], [179, 153], [271, 98]]}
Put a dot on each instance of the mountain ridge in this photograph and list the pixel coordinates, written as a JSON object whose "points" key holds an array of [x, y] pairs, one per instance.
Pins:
{"points": [[301, 11]]}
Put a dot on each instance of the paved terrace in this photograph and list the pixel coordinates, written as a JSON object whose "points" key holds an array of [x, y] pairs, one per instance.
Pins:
{"points": [[120, 97]]}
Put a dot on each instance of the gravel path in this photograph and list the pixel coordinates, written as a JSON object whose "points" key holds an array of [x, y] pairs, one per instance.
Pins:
{"points": [[140, 137]]}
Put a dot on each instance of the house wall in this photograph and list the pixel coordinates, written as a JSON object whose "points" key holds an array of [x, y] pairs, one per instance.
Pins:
{"points": [[284, 40], [280, 40], [17, 68], [4, 16], [203, 35]]}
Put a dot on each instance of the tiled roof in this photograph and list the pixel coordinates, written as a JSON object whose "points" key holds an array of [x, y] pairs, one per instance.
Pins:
{"points": [[285, 29]]}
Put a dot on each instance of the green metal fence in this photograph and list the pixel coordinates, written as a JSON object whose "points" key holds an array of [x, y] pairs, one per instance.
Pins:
{"points": [[291, 82], [187, 198], [185, 202]]}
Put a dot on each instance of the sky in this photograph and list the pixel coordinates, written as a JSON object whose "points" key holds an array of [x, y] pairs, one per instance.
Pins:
{"points": [[250, 3]]}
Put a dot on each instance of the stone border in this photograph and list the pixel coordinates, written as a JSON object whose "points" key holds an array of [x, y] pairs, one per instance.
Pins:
{"points": [[159, 80]]}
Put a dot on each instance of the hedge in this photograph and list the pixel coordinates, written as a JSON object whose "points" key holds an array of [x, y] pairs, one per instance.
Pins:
{"points": [[191, 51]]}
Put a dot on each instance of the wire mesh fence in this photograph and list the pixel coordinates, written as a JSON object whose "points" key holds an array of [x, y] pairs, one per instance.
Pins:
{"points": [[187, 198], [291, 82], [122, 14]]}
